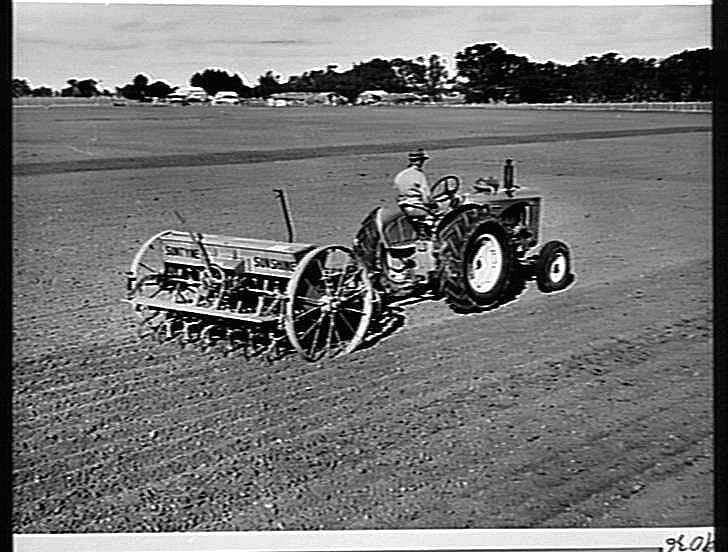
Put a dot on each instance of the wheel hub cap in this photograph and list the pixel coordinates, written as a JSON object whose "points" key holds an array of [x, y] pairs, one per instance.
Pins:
{"points": [[486, 265], [329, 303], [557, 270]]}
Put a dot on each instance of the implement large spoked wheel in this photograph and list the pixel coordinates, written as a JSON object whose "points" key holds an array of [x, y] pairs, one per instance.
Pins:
{"points": [[329, 303], [146, 273]]}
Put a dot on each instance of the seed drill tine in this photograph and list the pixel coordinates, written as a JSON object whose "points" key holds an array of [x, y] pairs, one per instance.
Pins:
{"points": [[197, 238]]}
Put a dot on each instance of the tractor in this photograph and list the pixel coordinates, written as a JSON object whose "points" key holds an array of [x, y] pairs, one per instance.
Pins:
{"points": [[470, 248]]}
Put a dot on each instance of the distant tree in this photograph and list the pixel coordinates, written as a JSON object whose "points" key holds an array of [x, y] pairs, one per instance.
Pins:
{"points": [[87, 88], [196, 80], [268, 84], [42, 92], [606, 78], [141, 82], [136, 90], [216, 80], [81, 88], [435, 76], [128, 91], [412, 73], [640, 76], [686, 76], [376, 74], [71, 90], [487, 71], [159, 89], [539, 83], [533, 83], [20, 87]]}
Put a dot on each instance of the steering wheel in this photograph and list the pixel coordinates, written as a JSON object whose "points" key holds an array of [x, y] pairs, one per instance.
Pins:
{"points": [[445, 188]]}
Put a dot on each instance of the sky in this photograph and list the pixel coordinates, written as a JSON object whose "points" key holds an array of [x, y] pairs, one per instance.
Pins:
{"points": [[111, 43]]}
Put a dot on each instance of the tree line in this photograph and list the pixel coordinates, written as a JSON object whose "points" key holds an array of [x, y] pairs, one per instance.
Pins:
{"points": [[484, 73]]}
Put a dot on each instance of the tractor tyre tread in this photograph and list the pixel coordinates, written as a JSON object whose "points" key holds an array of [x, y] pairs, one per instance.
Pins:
{"points": [[451, 280]]}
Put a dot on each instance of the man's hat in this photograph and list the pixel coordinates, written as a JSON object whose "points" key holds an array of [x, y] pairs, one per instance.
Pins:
{"points": [[418, 155]]}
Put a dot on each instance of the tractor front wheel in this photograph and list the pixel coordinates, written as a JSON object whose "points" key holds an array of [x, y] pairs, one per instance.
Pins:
{"points": [[553, 267]]}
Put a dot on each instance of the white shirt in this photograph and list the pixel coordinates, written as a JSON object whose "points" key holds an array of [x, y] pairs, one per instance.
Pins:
{"points": [[411, 186]]}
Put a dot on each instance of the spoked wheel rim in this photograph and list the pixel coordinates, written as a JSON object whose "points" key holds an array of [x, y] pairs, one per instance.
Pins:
{"points": [[149, 280], [147, 270], [486, 265], [149, 260], [329, 304]]}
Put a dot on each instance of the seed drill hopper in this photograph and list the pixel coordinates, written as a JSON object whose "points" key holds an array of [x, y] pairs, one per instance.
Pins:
{"points": [[261, 297]]}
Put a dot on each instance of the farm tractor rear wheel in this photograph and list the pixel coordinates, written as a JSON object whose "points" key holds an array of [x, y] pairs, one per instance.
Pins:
{"points": [[330, 303], [476, 262]]}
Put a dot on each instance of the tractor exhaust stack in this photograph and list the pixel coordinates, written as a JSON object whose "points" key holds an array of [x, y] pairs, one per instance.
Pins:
{"points": [[508, 181]]}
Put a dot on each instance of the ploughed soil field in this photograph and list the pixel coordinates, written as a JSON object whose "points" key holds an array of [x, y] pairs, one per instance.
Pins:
{"points": [[586, 408]]}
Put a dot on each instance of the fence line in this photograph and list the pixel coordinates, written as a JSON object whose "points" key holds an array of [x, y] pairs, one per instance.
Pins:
{"points": [[698, 107], [60, 101]]}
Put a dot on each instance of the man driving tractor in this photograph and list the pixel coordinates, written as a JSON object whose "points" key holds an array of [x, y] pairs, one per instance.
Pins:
{"points": [[413, 190], [415, 197]]}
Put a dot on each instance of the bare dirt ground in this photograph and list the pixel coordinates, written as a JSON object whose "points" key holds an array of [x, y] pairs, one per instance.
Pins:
{"points": [[587, 408]]}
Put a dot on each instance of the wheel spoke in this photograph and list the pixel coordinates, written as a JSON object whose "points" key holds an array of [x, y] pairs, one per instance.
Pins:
{"points": [[316, 335], [149, 268], [356, 311], [338, 335], [330, 332], [346, 321], [155, 293], [351, 296], [321, 265], [315, 324], [344, 279], [310, 284], [305, 313], [309, 300]]}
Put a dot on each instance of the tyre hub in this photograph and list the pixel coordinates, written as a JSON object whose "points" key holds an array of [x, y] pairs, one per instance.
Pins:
{"points": [[557, 268], [329, 304], [486, 265]]}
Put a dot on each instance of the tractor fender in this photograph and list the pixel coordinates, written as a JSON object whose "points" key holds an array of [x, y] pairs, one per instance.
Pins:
{"points": [[482, 210], [367, 239]]}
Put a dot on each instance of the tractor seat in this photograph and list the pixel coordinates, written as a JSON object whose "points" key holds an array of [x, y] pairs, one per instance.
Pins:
{"points": [[398, 233]]}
